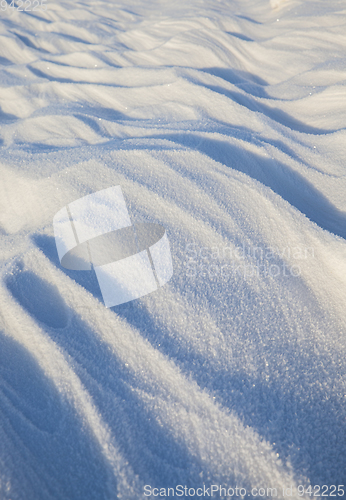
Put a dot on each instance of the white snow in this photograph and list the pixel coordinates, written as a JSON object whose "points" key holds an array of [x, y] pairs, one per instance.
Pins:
{"points": [[224, 122]]}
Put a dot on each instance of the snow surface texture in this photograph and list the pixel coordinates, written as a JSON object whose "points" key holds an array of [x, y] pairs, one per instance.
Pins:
{"points": [[223, 121]]}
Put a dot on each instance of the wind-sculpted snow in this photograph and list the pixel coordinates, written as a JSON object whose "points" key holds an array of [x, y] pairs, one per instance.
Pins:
{"points": [[224, 123]]}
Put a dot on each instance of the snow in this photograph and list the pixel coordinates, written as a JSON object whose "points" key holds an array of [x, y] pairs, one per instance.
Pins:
{"points": [[222, 121]]}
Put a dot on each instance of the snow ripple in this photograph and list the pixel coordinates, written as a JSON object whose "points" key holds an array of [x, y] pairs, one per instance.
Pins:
{"points": [[223, 122]]}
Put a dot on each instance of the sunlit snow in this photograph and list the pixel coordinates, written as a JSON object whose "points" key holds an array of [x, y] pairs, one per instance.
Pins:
{"points": [[224, 122]]}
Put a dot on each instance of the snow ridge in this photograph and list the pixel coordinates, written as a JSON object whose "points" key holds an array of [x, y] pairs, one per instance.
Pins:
{"points": [[224, 123]]}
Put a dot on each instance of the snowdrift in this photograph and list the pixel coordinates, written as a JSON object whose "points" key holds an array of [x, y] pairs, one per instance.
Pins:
{"points": [[223, 122]]}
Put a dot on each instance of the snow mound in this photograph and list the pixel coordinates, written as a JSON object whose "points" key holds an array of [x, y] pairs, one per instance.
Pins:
{"points": [[226, 126]]}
